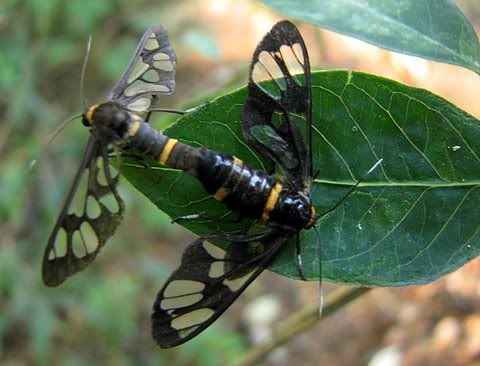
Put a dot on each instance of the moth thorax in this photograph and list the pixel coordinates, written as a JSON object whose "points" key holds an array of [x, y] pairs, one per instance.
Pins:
{"points": [[112, 119]]}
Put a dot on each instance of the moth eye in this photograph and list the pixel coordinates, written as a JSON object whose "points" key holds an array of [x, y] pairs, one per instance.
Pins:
{"points": [[88, 234], [109, 201]]}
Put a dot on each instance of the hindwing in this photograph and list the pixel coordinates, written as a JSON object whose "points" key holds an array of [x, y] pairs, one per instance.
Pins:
{"points": [[151, 72], [206, 283]]}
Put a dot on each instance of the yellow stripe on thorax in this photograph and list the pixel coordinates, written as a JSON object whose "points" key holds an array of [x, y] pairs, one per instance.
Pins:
{"points": [[271, 201], [89, 114], [167, 150], [222, 192], [134, 126]]}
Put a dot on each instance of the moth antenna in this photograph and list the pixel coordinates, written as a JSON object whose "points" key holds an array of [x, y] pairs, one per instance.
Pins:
{"points": [[351, 189], [84, 68], [51, 138], [320, 283]]}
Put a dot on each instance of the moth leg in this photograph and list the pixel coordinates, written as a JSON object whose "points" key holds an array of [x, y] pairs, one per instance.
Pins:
{"points": [[299, 258], [136, 157], [207, 217]]}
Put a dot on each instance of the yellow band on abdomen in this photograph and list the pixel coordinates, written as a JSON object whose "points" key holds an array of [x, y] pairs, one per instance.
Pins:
{"points": [[222, 193], [271, 201], [167, 150]]}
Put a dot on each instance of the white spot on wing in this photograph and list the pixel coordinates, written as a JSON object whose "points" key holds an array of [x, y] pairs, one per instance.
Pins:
{"points": [[180, 302], [192, 318], [151, 76], [91, 239], [78, 247], [183, 287], [139, 105], [236, 284], [182, 333], [151, 44], [93, 208], [110, 202], [266, 69], [142, 87], [164, 65], [160, 56], [138, 69], [293, 64], [213, 250], [60, 244], [217, 269]]}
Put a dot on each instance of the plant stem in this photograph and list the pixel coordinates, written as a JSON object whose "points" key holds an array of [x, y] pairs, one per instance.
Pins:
{"points": [[300, 321]]}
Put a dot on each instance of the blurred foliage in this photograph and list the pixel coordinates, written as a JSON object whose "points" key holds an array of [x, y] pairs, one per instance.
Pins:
{"points": [[102, 316]]}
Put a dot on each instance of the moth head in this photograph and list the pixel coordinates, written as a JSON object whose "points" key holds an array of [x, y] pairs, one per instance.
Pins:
{"points": [[294, 210], [110, 118]]}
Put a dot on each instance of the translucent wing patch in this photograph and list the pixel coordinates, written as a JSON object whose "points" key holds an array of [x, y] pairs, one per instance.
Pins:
{"points": [[206, 283], [90, 216], [278, 104], [151, 72]]}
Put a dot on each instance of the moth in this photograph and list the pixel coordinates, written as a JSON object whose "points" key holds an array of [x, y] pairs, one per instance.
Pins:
{"points": [[93, 209], [277, 123]]}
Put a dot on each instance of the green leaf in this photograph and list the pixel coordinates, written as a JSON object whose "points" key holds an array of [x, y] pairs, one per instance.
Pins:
{"points": [[435, 30], [412, 220]]}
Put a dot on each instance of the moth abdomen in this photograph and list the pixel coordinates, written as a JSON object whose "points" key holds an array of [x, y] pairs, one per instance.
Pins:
{"points": [[240, 187], [146, 139]]}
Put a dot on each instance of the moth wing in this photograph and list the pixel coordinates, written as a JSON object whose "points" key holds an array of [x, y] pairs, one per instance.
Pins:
{"points": [[151, 72], [91, 213], [206, 284], [277, 115]]}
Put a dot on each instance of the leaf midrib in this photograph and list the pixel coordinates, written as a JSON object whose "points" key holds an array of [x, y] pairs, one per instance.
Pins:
{"points": [[398, 184]]}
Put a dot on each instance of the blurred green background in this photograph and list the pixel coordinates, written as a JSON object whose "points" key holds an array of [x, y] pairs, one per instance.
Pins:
{"points": [[103, 314]]}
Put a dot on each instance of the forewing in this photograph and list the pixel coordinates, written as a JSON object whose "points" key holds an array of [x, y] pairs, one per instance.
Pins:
{"points": [[277, 115], [205, 285], [90, 216], [151, 72]]}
